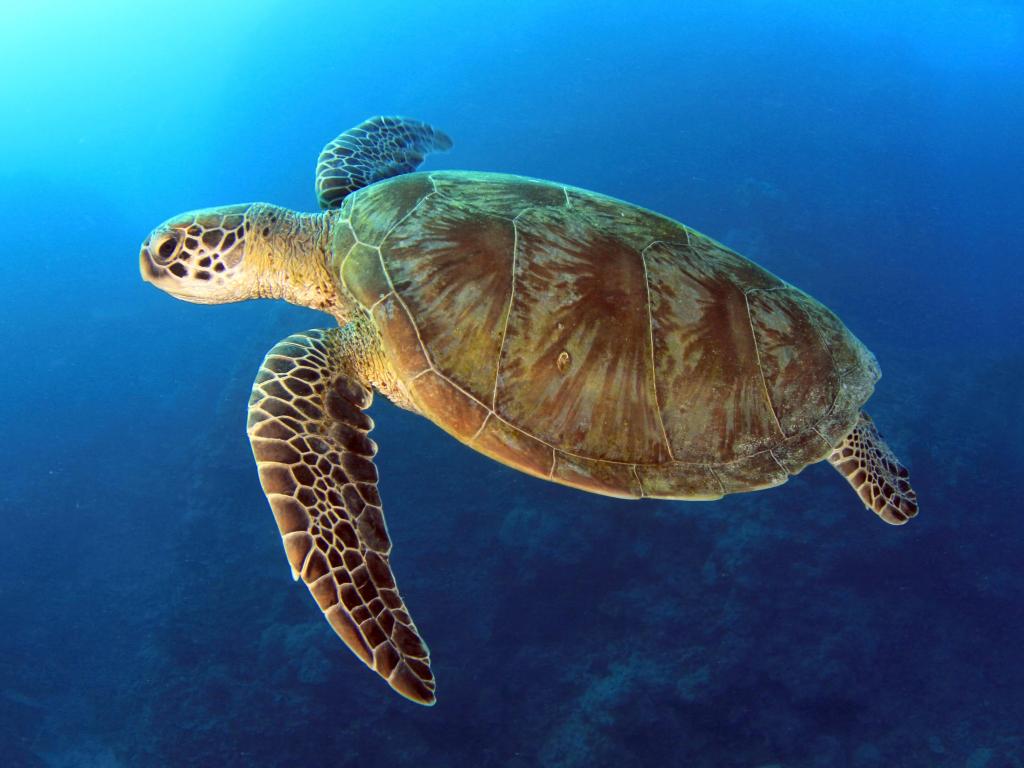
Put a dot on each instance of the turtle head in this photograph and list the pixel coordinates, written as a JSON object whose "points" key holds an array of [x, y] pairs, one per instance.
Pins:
{"points": [[200, 256], [238, 252]]}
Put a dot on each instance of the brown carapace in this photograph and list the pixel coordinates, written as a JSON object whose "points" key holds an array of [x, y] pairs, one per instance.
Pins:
{"points": [[593, 343], [569, 335]]}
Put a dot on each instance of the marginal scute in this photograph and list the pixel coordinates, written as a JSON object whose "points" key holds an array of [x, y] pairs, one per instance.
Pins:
{"points": [[679, 480], [459, 414], [797, 451], [604, 477], [503, 442], [842, 416], [751, 473]]}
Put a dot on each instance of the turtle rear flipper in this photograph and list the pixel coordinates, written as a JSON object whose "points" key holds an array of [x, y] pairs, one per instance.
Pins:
{"points": [[874, 472], [376, 149], [309, 435]]}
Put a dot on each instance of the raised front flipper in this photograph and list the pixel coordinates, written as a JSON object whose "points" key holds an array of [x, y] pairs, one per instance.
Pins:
{"points": [[377, 149], [870, 466], [309, 435]]}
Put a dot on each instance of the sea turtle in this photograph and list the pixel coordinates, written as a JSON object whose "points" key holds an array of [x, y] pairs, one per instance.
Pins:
{"points": [[566, 334]]}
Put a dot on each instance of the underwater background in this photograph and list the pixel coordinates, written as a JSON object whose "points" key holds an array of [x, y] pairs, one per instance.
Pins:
{"points": [[869, 152]]}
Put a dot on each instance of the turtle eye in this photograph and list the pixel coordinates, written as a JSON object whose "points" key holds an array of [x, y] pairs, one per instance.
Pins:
{"points": [[165, 248]]}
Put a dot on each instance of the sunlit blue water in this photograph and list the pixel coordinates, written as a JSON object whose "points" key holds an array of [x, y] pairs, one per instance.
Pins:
{"points": [[868, 152]]}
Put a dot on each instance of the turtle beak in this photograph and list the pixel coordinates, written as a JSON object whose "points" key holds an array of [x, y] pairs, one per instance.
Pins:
{"points": [[149, 271]]}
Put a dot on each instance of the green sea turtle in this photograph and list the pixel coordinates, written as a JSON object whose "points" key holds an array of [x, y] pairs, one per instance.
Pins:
{"points": [[568, 335]]}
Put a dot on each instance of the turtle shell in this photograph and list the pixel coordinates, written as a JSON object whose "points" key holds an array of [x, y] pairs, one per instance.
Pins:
{"points": [[594, 343]]}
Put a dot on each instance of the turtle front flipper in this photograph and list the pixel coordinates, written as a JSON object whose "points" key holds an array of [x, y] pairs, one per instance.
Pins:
{"points": [[309, 434], [376, 149], [870, 466]]}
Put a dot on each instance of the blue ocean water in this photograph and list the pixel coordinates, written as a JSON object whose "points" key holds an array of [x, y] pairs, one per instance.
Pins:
{"points": [[868, 152]]}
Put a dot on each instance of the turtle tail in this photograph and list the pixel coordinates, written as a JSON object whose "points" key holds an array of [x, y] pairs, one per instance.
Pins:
{"points": [[874, 472]]}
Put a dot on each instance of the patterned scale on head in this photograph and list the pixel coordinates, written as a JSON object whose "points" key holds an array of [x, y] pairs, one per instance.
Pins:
{"points": [[204, 245]]}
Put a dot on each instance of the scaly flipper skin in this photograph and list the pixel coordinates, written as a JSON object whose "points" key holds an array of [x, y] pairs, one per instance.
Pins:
{"points": [[376, 149], [874, 472], [309, 435]]}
